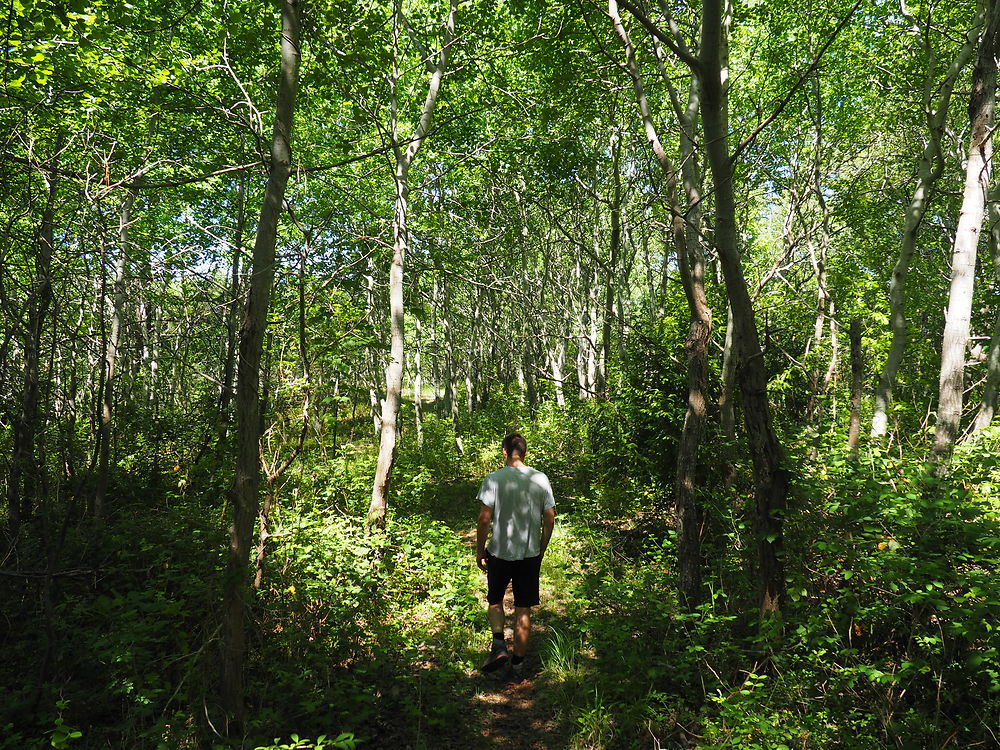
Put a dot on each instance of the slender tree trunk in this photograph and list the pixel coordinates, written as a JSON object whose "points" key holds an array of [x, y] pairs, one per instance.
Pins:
{"points": [[816, 381], [557, 357], [929, 170], [373, 357], [450, 386], [263, 533], [403, 159], [394, 370], [24, 466], [527, 362], [246, 484], [615, 251], [727, 391], [963, 258], [471, 363], [988, 406], [418, 383], [692, 266], [435, 358], [581, 303], [592, 364], [830, 376], [232, 308], [111, 362], [770, 475], [857, 377]]}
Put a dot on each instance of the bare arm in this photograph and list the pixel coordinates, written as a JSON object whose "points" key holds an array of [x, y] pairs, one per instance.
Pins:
{"points": [[548, 521], [482, 529]]}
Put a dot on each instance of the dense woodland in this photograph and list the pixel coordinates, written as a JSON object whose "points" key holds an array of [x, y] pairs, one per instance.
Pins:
{"points": [[276, 279]]}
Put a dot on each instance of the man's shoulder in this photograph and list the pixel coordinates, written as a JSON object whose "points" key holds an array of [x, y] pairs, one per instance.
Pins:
{"points": [[536, 472]]}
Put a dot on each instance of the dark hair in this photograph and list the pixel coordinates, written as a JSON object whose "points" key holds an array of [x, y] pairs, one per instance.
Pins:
{"points": [[515, 443]]}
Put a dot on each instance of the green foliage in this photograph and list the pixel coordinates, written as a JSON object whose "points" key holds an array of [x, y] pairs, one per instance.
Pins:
{"points": [[651, 402], [344, 741], [888, 637], [61, 736]]}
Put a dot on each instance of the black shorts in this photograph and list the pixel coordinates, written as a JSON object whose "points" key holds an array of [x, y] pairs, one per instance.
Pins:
{"points": [[523, 574]]}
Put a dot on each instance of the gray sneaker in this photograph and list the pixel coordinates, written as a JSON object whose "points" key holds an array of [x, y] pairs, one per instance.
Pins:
{"points": [[498, 656]]}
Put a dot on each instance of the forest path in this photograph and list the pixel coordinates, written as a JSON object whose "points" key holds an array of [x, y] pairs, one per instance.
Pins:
{"points": [[526, 715]]}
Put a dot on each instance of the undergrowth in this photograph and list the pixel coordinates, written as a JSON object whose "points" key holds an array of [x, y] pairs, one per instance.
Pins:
{"points": [[888, 636]]}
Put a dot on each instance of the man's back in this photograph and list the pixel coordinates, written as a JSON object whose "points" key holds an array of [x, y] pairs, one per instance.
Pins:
{"points": [[517, 496]]}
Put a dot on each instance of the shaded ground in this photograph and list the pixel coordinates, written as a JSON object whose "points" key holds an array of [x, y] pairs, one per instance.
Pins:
{"points": [[522, 715], [500, 713]]}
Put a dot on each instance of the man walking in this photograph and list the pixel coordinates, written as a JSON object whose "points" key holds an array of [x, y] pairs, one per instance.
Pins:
{"points": [[517, 504]]}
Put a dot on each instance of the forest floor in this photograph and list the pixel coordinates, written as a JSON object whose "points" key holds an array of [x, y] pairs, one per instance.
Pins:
{"points": [[521, 715], [499, 713]]}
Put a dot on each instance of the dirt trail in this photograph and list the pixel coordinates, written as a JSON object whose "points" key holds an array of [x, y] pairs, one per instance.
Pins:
{"points": [[522, 715]]}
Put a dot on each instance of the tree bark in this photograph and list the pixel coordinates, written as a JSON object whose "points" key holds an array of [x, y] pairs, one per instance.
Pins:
{"points": [[929, 170], [232, 308], [403, 159], [246, 484], [963, 258], [418, 383], [984, 416], [727, 390], [692, 267], [24, 466], [770, 476], [819, 384], [691, 260], [111, 357], [615, 250], [857, 377]]}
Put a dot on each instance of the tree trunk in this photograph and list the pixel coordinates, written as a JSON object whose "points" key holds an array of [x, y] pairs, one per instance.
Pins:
{"points": [[727, 390], [527, 362], [373, 356], [557, 356], [770, 476], [963, 257], [591, 339], [24, 466], [929, 169], [232, 308], [988, 406], [692, 266], [435, 349], [685, 236], [418, 383], [403, 159], [394, 370], [111, 357], [246, 484], [615, 249], [857, 377]]}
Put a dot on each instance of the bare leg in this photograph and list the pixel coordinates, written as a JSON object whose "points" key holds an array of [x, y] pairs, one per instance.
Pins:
{"points": [[522, 630], [496, 617]]}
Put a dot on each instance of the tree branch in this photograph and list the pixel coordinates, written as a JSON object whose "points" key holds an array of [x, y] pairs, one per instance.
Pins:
{"points": [[678, 49], [794, 89]]}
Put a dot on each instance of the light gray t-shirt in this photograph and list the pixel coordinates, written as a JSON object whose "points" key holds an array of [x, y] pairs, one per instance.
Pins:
{"points": [[517, 496]]}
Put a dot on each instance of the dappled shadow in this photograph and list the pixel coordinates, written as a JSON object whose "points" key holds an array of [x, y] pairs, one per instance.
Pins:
{"points": [[441, 699], [433, 705]]}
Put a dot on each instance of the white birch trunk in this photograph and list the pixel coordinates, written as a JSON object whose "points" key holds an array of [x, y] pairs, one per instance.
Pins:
{"points": [[388, 435], [963, 259], [988, 406], [929, 169]]}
